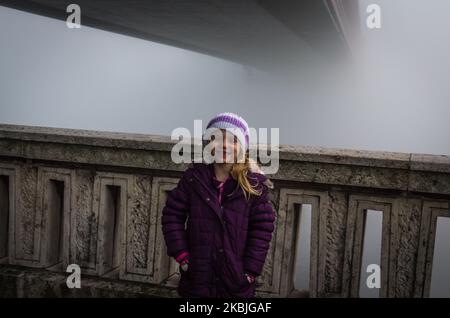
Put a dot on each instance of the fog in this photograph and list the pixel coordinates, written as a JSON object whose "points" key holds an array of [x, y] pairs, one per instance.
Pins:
{"points": [[392, 96]]}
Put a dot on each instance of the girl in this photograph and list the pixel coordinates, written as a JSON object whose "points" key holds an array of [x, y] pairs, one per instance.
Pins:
{"points": [[223, 246]]}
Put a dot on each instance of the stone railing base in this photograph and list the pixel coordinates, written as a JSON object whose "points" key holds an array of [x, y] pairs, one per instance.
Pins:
{"points": [[18, 281]]}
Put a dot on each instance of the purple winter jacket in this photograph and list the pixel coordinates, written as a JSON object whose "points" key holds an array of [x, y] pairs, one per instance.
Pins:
{"points": [[224, 241]]}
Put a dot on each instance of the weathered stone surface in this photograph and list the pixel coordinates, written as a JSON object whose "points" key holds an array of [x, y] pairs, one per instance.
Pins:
{"points": [[335, 239], [84, 222], [345, 156], [348, 175], [426, 162], [408, 244], [139, 224], [30, 283], [27, 227]]}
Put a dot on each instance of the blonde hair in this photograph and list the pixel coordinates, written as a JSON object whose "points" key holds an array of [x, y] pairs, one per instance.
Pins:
{"points": [[239, 172]]}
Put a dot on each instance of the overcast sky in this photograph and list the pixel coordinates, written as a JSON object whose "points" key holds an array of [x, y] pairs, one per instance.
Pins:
{"points": [[394, 98]]}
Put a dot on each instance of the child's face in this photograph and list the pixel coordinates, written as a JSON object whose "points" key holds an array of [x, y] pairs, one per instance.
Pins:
{"points": [[227, 149]]}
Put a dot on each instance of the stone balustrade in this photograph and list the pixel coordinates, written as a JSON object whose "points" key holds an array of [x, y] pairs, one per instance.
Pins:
{"points": [[95, 199]]}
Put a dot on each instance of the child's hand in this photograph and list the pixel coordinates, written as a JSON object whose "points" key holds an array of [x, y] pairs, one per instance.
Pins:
{"points": [[183, 260], [184, 265], [250, 278]]}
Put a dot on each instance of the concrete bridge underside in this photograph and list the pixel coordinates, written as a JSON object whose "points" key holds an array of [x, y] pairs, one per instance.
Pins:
{"points": [[266, 34]]}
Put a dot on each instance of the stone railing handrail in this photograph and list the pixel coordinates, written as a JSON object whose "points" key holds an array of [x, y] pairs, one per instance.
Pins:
{"points": [[410, 161], [407, 163]]}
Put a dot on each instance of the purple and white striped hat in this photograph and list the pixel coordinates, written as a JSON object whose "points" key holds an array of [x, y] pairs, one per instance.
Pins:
{"points": [[233, 123]]}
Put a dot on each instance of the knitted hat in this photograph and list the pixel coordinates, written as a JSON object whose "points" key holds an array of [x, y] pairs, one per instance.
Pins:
{"points": [[233, 123]]}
